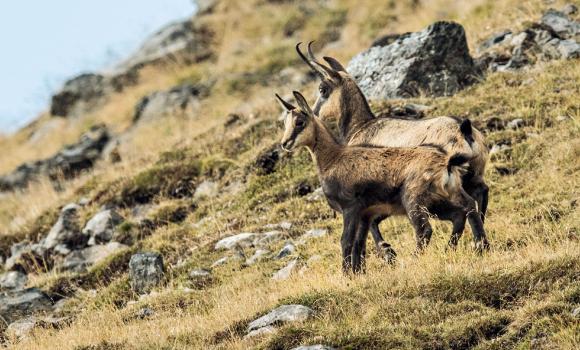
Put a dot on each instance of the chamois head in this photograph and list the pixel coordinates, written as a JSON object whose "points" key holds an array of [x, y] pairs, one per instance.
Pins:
{"points": [[338, 94], [298, 124]]}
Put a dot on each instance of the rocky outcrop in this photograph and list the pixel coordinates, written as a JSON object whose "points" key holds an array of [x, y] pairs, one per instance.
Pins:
{"points": [[67, 163], [434, 62], [179, 40], [13, 280], [101, 227], [81, 260], [282, 314], [181, 100], [146, 271], [555, 36], [15, 305]]}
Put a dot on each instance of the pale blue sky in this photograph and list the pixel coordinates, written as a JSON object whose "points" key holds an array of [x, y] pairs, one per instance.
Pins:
{"points": [[44, 42]]}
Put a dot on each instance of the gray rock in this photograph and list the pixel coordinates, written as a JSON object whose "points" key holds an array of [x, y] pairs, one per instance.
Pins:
{"points": [[206, 189], [515, 124], [258, 256], [101, 227], [315, 196], [268, 238], [15, 305], [16, 253], [82, 260], [561, 24], [569, 9], [14, 280], [314, 347], [576, 312], [495, 39], [145, 312], [199, 273], [284, 225], [435, 62], [21, 329], [146, 271], [282, 314], [286, 250], [498, 148], [260, 332], [568, 49], [237, 256], [78, 94], [66, 230], [287, 271], [315, 233], [67, 163], [245, 239], [180, 100], [182, 40]]}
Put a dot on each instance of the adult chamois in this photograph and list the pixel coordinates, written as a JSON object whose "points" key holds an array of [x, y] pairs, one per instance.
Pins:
{"points": [[340, 97], [367, 182]]}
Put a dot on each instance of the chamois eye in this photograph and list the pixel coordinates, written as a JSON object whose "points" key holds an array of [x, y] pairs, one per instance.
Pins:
{"points": [[300, 123], [323, 90]]}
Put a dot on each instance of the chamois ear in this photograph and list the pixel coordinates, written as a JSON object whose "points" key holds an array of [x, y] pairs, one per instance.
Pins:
{"points": [[286, 105], [303, 104], [334, 64]]}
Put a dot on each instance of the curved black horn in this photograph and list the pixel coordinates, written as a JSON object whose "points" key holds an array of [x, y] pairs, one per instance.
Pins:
{"points": [[310, 53], [306, 59], [287, 106]]}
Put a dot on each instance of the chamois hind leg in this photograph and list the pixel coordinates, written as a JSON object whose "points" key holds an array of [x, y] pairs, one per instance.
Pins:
{"points": [[419, 218], [458, 220], [358, 250], [475, 221], [384, 249], [351, 221], [478, 190]]}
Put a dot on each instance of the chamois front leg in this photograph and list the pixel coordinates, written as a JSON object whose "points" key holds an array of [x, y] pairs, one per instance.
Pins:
{"points": [[384, 249], [359, 250], [351, 221]]}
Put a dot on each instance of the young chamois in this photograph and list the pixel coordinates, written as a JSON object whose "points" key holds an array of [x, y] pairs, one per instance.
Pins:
{"points": [[340, 97], [367, 182]]}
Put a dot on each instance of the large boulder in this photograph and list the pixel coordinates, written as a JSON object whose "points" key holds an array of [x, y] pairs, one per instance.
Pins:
{"points": [[282, 314], [101, 227], [82, 260], [434, 62], [179, 40], [85, 92], [67, 163], [146, 271], [178, 101], [19, 304]]}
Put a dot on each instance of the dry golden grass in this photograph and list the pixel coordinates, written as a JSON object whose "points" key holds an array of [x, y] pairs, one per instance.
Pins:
{"points": [[524, 289]]}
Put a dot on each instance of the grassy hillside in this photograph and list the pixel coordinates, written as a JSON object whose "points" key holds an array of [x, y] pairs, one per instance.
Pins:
{"points": [[520, 295]]}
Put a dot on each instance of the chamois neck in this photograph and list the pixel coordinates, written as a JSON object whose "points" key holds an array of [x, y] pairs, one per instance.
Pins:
{"points": [[324, 147], [355, 112]]}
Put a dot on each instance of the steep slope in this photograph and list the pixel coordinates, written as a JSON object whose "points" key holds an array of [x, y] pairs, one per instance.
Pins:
{"points": [[185, 181]]}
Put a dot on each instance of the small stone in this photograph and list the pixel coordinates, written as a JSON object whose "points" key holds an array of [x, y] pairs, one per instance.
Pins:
{"points": [[260, 332], [146, 271], [21, 329], [145, 313], [515, 124], [286, 271], [258, 256], [568, 49], [13, 280], [314, 347], [498, 148], [286, 250], [315, 196], [562, 118], [282, 314], [206, 189], [313, 233], [242, 240], [238, 256], [199, 273], [576, 312], [284, 225]]}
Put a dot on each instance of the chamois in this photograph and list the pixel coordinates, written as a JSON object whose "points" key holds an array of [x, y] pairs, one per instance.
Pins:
{"points": [[366, 182], [340, 97]]}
